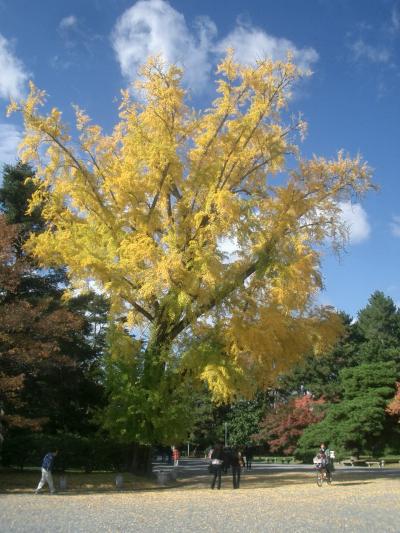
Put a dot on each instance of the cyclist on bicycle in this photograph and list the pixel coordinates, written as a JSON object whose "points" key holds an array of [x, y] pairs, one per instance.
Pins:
{"points": [[325, 451], [320, 464], [320, 461]]}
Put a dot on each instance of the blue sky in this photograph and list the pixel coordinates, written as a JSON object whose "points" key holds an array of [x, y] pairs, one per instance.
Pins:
{"points": [[84, 51]]}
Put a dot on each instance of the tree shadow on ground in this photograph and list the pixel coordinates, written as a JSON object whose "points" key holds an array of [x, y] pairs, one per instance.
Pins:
{"points": [[98, 483]]}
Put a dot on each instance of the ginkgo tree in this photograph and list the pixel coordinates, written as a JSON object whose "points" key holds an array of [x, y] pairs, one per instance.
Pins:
{"points": [[144, 213]]}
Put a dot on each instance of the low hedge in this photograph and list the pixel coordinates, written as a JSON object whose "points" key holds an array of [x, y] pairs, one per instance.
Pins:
{"points": [[84, 453]]}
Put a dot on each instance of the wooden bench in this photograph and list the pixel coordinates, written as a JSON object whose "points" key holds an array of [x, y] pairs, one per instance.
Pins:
{"points": [[354, 462], [348, 462], [380, 464]]}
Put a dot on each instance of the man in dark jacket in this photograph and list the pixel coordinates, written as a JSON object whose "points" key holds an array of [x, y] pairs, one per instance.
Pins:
{"points": [[47, 467], [216, 465], [249, 454], [226, 459], [236, 465]]}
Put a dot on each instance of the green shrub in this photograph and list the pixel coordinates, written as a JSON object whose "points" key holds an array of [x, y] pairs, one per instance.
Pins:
{"points": [[24, 448]]}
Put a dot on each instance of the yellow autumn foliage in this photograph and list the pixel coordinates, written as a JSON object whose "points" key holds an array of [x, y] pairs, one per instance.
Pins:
{"points": [[144, 210]]}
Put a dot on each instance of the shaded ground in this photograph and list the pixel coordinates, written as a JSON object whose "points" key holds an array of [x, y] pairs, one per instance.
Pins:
{"points": [[15, 482], [192, 475], [270, 499]]}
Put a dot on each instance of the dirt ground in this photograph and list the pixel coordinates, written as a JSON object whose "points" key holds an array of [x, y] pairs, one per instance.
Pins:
{"points": [[267, 501]]}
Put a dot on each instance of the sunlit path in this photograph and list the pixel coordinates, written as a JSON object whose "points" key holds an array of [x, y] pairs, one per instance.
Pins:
{"points": [[359, 504]]}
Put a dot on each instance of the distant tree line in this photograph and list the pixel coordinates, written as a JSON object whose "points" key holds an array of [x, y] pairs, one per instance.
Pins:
{"points": [[348, 396]]}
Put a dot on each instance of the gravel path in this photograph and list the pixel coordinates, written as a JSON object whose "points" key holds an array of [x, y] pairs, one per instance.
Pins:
{"points": [[359, 505]]}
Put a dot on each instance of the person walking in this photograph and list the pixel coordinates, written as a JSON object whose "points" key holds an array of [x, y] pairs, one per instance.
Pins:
{"points": [[47, 477], [236, 465], [176, 455], [216, 465], [249, 454], [226, 459]]}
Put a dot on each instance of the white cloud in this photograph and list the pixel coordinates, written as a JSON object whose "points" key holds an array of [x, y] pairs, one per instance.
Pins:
{"points": [[59, 62], [395, 19], [395, 225], [251, 43], [13, 74], [356, 220], [76, 37], [68, 22], [10, 137], [152, 27], [362, 50]]}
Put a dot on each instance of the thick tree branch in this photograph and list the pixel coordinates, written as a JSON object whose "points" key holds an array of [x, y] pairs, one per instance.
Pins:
{"points": [[138, 308], [221, 293], [142, 311], [164, 174]]}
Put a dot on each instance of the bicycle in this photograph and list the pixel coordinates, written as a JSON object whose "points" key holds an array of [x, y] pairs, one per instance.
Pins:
{"points": [[323, 475]]}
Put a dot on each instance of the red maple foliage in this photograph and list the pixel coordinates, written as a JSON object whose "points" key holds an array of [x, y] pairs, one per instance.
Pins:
{"points": [[32, 329], [283, 427], [394, 405]]}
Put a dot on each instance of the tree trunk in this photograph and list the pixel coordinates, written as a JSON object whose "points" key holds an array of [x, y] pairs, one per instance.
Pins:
{"points": [[140, 461]]}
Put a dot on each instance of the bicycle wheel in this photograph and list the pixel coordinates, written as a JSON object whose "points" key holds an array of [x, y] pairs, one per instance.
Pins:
{"points": [[319, 479]]}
